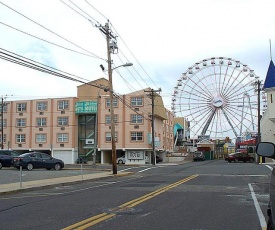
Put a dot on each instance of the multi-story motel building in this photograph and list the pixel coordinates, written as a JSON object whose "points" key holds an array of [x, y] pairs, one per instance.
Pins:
{"points": [[72, 127]]}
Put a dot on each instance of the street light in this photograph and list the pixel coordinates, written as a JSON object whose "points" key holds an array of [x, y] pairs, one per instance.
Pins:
{"points": [[113, 139]]}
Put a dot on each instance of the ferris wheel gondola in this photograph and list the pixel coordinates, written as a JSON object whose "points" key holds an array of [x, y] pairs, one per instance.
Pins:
{"points": [[217, 97]]}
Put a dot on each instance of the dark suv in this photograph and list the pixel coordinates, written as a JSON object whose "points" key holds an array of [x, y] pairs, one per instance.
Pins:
{"points": [[267, 149], [6, 157]]}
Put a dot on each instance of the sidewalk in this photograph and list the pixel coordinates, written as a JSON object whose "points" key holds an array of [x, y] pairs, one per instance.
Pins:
{"points": [[39, 184]]}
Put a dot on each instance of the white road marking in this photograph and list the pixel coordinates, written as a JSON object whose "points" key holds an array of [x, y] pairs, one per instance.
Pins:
{"points": [[270, 167], [258, 208], [144, 170]]}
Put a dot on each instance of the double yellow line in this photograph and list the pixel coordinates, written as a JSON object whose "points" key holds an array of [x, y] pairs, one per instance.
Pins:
{"points": [[104, 216]]}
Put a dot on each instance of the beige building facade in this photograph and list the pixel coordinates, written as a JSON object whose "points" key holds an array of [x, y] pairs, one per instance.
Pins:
{"points": [[68, 128]]}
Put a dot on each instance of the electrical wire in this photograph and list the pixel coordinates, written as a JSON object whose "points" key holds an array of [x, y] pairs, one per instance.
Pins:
{"points": [[51, 31], [18, 59], [44, 40]]}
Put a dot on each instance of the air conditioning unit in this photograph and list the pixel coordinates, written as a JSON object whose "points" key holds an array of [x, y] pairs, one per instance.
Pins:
{"points": [[89, 141]]}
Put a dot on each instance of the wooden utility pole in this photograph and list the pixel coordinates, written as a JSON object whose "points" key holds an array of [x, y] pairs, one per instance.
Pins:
{"points": [[152, 96]]}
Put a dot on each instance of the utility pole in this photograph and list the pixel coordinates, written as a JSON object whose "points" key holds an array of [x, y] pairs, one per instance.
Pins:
{"points": [[152, 96], [2, 122], [3, 104], [111, 48], [259, 83], [111, 99]]}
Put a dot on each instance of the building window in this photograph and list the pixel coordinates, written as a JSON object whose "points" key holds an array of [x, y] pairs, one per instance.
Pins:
{"points": [[41, 106], [20, 138], [41, 121], [271, 99], [21, 122], [4, 123], [62, 137], [136, 101], [21, 107], [62, 121], [136, 136], [136, 119], [108, 137], [4, 108], [4, 141], [108, 102], [108, 119], [62, 105], [40, 138]]}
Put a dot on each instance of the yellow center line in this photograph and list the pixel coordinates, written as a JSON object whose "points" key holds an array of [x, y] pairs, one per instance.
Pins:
{"points": [[104, 216], [148, 196]]}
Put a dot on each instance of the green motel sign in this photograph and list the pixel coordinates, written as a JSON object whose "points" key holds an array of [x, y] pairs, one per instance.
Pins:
{"points": [[83, 107]]}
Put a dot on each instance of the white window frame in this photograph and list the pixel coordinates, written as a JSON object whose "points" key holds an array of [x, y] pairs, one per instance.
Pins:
{"points": [[136, 101], [41, 121], [20, 138], [41, 138], [41, 105], [136, 119], [136, 137], [108, 137], [4, 141], [62, 137], [21, 122], [108, 119], [21, 107], [63, 105], [62, 121], [108, 102]]}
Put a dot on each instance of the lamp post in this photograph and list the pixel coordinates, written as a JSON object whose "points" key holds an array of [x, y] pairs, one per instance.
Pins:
{"points": [[113, 139], [111, 47]]}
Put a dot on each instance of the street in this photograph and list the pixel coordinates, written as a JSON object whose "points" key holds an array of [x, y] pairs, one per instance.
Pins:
{"points": [[194, 195]]}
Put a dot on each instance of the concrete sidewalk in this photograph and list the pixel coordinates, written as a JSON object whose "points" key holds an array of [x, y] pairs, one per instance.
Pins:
{"points": [[39, 184]]}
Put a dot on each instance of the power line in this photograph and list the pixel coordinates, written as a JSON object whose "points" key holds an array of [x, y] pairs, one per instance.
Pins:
{"points": [[44, 40], [96, 9], [80, 13], [51, 31], [20, 60]]}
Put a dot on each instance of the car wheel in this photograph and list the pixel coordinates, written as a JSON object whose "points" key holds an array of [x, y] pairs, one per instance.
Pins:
{"points": [[236, 160], [251, 160], [120, 162], [1, 165], [30, 166], [57, 166]]}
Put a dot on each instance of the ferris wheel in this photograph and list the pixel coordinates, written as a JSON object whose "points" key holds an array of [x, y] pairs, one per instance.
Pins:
{"points": [[217, 97]]}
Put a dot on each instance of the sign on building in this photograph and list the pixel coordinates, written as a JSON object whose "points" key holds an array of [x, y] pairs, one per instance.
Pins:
{"points": [[84, 107]]}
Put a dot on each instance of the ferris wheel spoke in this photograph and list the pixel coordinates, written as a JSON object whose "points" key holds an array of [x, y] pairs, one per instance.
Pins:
{"points": [[199, 89], [216, 94], [208, 122], [229, 122], [238, 87]]}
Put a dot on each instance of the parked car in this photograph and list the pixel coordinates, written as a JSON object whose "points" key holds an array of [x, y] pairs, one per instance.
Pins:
{"points": [[121, 160], [158, 159], [34, 160], [198, 156], [239, 157], [267, 149], [6, 157]]}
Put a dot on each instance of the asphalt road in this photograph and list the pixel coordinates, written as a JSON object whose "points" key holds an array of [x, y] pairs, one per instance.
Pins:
{"points": [[195, 195]]}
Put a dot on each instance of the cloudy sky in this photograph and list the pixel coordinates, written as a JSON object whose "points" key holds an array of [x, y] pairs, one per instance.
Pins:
{"points": [[161, 38]]}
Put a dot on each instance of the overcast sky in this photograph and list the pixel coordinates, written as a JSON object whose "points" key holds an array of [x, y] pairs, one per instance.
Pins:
{"points": [[161, 38]]}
